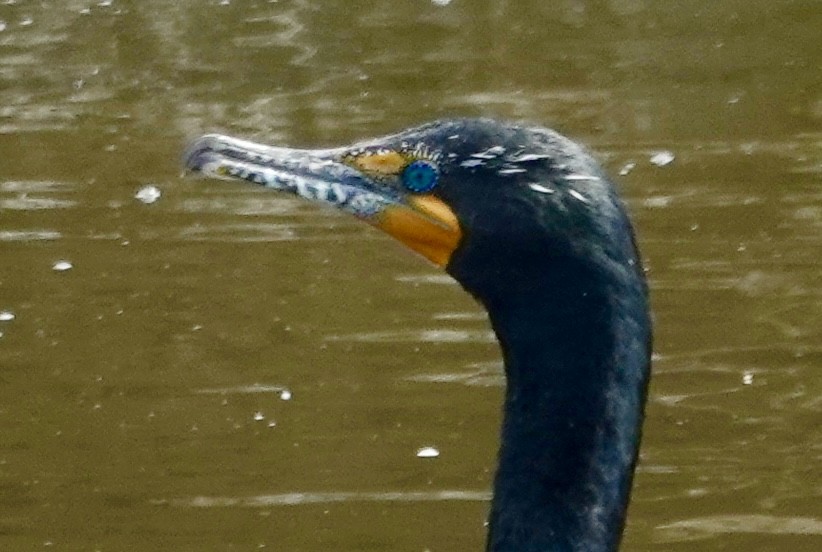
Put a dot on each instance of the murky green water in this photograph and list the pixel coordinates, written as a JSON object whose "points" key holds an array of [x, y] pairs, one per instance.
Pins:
{"points": [[141, 389]]}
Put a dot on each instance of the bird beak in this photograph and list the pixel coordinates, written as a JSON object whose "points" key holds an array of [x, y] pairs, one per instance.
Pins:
{"points": [[422, 222]]}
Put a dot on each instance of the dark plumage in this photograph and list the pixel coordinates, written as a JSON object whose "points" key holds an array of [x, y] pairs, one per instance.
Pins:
{"points": [[530, 225]]}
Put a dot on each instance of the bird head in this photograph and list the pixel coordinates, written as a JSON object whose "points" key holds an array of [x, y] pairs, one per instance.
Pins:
{"points": [[480, 198]]}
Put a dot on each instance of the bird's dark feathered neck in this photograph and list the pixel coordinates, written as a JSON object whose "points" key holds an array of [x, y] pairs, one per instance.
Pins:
{"points": [[575, 336], [529, 224]]}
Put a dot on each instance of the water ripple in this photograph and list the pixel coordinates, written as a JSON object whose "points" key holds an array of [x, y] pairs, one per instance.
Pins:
{"points": [[251, 232], [706, 527], [243, 389], [484, 374], [298, 499], [29, 235], [426, 279], [24, 203], [424, 336], [34, 195]]}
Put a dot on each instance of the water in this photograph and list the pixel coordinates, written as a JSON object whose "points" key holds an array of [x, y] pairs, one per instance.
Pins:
{"points": [[130, 383]]}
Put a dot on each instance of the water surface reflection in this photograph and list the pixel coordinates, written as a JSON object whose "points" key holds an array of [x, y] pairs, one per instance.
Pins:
{"points": [[141, 390]]}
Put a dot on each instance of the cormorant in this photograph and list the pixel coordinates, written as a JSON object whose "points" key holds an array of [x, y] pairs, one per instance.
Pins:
{"points": [[528, 223]]}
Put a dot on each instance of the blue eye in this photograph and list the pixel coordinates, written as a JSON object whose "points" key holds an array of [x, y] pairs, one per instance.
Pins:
{"points": [[420, 176]]}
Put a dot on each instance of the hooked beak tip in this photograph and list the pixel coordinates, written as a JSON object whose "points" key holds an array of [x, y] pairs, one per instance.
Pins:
{"points": [[199, 152]]}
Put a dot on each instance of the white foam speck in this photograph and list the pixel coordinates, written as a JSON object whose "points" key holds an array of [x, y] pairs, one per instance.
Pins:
{"points": [[662, 158], [5, 316], [148, 194], [285, 395], [259, 417], [747, 378], [428, 452], [62, 266], [627, 168], [440, 2]]}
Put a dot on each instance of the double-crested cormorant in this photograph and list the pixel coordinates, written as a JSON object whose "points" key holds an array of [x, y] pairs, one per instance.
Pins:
{"points": [[531, 226]]}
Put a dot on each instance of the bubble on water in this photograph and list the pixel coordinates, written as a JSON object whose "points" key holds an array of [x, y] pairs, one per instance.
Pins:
{"points": [[148, 194], [62, 266], [627, 168], [285, 395], [427, 452], [662, 158], [5, 316]]}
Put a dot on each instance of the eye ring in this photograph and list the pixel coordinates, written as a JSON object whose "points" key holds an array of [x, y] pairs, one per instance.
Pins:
{"points": [[420, 176]]}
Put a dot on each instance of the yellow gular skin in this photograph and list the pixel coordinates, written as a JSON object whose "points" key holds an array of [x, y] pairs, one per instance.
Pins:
{"points": [[428, 227]]}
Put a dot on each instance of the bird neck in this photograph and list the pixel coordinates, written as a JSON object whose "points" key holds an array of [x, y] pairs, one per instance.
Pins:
{"points": [[576, 349]]}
